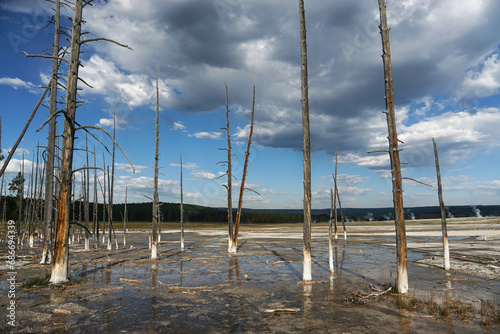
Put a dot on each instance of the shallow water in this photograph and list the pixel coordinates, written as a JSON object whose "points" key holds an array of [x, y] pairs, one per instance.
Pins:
{"points": [[203, 289]]}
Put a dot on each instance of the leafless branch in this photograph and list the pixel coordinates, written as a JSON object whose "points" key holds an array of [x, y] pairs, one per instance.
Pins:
{"points": [[414, 180], [99, 128], [44, 56], [107, 40]]}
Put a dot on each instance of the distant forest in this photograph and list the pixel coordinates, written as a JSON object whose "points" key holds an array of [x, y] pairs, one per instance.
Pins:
{"points": [[142, 212]]}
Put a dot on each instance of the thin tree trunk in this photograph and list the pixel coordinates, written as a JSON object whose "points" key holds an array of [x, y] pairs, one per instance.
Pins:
{"points": [[446, 247], [125, 217], [110, 226], [154, 245], [243, 178], [397, 187], [95, 206], [104, 205], [307, 264], [86, 192], [182, 211], [230, 239], [61, 249], [330, 235]]}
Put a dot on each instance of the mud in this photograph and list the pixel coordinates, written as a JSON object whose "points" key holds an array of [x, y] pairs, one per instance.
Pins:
{"points": [[203, 289]]}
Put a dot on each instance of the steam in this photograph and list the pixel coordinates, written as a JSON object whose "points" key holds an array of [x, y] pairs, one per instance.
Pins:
{"points": [[477, 212]]}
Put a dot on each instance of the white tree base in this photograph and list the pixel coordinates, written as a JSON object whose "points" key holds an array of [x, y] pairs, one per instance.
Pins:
{"points": [[59, 274]]}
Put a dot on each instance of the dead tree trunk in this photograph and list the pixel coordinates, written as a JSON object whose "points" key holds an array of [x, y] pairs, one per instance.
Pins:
{"points": [[111, 184], [182, 211], [86, 191], [243, 178], [61, 249], [125, 218], [330, 235], [154, 244], [397, 187], [446, 247], [49, 163], [95, 205], [230, 238], [306, 138]]}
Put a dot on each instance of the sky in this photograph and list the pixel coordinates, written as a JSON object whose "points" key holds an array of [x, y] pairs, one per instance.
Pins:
{"points": [[446, 72]]}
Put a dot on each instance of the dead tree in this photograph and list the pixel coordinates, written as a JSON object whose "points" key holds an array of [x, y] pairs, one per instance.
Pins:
{"points": [[243, 178], [446, 247], [61, 247], [86, 197], [306, 138], [182, 211], [125, 218], [156, 211], [49, 163], [397, 188], [330, 235], [228, 173]]}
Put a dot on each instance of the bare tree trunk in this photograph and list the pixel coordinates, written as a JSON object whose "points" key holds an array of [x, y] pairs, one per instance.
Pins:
{"points": [[125, 218], [337, 198], [182, 211], [61, 249], [307, 264], [104, 201], [95, 206], [446, 247], [86, 198], [243, 178], [397, 187], [49, 164], [231, 248], [330, 235], [111, 186], [154, 245]]}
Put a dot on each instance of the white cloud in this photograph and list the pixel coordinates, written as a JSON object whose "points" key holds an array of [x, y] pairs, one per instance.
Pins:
{"points": [[484, 82], [185, 165], [203, 175], [118, 87], [16, 83], [209, 135], [178, 126], [109, 122], [125, 167]]}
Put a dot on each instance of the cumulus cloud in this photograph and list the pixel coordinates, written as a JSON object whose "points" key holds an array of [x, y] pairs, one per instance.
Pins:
{"points": [[203, 175], [124, 167], [209, 135], [185, 165], [16, 83]]}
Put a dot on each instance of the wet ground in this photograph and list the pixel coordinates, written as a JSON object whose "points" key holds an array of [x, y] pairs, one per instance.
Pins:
{"points": [[203, 289]]}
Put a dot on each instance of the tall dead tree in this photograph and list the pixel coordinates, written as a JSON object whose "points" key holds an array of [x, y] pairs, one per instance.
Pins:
{"points": [[156, 211], [61, 248], [182, 210], [243, 178], [397, 187], [446, 247], [330, 235], [49, 163], [125, 218], [229, 186], [306, 138]]}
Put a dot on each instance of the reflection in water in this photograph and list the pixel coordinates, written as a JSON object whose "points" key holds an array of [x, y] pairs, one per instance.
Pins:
{"points": [[235, 304], [154, 272], [308, 314]]}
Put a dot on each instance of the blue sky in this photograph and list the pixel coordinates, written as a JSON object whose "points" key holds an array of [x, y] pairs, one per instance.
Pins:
{"points": [[446, 67]]}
